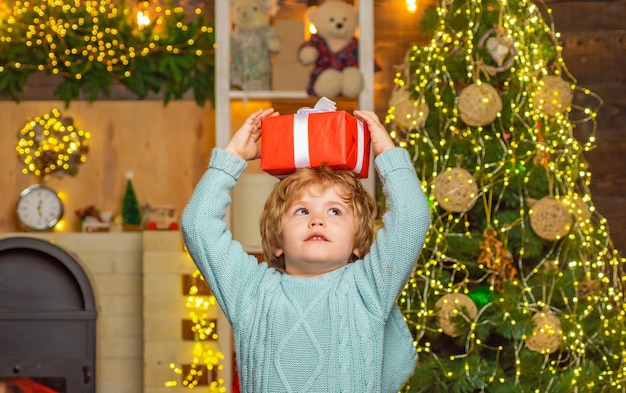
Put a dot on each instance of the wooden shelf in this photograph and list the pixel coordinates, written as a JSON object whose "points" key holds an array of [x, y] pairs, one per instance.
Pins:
{"points": [[269, 95]]}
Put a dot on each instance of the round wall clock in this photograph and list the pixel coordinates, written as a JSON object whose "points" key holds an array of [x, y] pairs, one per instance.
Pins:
{"points": [[39, 208]]}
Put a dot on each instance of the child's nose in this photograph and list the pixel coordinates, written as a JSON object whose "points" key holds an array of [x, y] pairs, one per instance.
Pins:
{"points": [[316, 221]]}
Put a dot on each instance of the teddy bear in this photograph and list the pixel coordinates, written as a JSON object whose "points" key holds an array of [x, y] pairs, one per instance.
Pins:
{"points": [[333, 51], [253, 41]]}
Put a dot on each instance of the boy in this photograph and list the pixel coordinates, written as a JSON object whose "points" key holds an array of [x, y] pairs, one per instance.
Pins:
{"points": [[321, 316]]}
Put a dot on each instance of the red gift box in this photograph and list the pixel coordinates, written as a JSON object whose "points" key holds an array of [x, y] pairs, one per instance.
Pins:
{"points": [[334, 138]]}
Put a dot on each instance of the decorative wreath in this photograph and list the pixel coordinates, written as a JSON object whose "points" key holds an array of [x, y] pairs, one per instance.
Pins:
{"points": [[51, 144]]}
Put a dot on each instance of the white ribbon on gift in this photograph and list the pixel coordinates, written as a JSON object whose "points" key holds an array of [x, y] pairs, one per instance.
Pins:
{"points": [[301, 134]]}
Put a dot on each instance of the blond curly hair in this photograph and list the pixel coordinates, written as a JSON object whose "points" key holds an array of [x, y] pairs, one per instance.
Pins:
{"points": [[290, 189]]}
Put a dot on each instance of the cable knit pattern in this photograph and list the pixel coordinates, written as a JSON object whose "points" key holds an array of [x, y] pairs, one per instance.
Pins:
{"points": [[337, 332], [343, 346]]}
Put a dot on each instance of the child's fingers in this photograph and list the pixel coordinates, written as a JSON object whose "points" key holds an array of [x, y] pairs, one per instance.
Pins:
{"points": [[256, 117], [255, 122], [370, 118], [381, 141], [267, 112], [372, 121]]}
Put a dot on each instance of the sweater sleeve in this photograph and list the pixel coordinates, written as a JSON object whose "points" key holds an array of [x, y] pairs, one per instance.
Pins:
{"points": [[389, 264], [224, 264]]}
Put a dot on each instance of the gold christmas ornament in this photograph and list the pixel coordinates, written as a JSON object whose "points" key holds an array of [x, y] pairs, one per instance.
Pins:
{"points": [[409, 113], [554, 95], [450, 306], [479, 104], [550, 218], [547, 333], [455, 190]]}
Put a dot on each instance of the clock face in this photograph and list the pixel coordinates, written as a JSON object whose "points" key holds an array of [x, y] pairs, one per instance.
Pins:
{"points": [[39, 208]]}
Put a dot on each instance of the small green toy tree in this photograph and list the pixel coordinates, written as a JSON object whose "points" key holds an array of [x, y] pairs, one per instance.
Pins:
{"points": [[131, 215]]}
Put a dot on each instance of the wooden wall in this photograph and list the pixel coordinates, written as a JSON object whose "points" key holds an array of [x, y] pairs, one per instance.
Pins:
{"points": [[168, 146], [594, 39]]}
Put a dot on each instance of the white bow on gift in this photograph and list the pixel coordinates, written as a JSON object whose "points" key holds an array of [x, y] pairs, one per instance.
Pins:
{"points": [[301, 134], [322, 105]]}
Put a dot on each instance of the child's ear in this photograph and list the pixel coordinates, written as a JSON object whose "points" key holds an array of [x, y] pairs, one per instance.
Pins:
{"points": [[357, 253], [278, 252]]}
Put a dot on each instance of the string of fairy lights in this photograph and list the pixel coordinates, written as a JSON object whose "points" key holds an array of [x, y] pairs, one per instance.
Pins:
{"points": [[204, 357], [67, 22], [144, 45], [533, 137]]}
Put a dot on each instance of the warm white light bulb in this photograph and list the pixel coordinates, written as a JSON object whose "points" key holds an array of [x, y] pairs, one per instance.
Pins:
{"points": [[143, 18], [411, 5]]}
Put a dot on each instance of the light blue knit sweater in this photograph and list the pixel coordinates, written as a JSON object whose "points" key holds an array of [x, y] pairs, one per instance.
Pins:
{"points": [[337, 332]]}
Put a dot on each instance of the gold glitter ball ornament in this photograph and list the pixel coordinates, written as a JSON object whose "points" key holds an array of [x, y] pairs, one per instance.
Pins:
{"points": [[408, 113], [550, 218], [479, 104], [455, 190], [554, 95], [450, 306], [547, 333]]}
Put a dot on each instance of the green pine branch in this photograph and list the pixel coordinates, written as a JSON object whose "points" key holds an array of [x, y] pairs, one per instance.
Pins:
{"points": [[93, 48]]}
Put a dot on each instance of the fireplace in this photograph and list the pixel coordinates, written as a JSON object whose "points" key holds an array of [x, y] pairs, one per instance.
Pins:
{"points": [[47, 317]]}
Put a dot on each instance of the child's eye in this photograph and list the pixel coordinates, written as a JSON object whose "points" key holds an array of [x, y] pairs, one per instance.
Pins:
{"points": [[301, 211], [334, 212]]}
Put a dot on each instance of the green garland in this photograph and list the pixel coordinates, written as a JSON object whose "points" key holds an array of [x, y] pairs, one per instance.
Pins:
{"points": [[93, 44]]}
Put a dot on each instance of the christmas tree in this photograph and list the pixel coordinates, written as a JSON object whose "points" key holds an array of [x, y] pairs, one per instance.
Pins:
{"points": [[131, 215], [518, 287]]}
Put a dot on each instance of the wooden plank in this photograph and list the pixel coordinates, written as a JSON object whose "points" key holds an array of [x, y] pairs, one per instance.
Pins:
{"points": [[608, 186], [40, 87], [596, 57], [608, 175], [587, 15], [612, 114]]}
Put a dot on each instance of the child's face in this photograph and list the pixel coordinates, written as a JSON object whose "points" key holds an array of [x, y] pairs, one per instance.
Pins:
{"points": [[318, 233]]}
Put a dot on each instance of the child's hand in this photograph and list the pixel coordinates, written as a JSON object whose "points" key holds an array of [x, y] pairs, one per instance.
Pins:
{"points": [[381, 141], [244, 143]]}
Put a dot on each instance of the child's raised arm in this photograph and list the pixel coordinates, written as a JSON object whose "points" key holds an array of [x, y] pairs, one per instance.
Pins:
{"points": [[223, 262]]}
